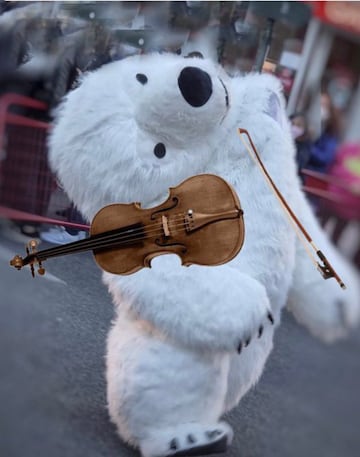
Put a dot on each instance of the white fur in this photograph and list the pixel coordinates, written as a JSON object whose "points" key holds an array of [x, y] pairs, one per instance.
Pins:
{"points": [[172, 362]]}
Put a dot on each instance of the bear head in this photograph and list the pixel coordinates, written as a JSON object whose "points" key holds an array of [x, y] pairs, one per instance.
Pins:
{"points": [[135, 127]]}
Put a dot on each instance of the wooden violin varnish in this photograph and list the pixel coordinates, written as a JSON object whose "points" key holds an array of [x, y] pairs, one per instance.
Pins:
{"points": [[201, 221]]}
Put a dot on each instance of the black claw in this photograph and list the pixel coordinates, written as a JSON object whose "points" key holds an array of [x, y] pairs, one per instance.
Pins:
{"points": [[239, 348], [191, 439], [261, 329], [247, 342], [271, 318], [213, 433], [174, 444]]}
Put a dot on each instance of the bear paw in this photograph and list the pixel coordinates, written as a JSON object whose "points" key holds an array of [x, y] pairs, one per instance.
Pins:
{"points": [[247, 340], [188, 440]]}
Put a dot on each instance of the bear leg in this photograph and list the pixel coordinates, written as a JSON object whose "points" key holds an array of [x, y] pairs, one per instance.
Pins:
{"points": [[165, 399]]}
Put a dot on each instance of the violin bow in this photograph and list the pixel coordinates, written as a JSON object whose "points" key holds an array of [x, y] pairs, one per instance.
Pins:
{"points": [[325, 268]]}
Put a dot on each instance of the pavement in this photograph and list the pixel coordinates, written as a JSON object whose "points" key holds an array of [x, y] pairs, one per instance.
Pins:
{"points": [[52, 388]]}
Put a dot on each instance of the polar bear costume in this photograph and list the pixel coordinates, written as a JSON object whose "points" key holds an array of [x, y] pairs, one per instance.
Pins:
{"points": [[188, 343]]}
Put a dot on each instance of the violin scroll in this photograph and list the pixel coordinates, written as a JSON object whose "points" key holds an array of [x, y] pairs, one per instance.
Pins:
{"points": [[17, 262], [31, 250]]}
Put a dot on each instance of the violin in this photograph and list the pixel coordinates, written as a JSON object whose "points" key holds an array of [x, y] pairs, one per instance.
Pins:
{"points": [[201, 221]]}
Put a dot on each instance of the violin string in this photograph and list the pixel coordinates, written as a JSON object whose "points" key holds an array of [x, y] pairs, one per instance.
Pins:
{"points": [[156, 226], [134, 220], [172, 223], [106, 241], [109, 240]]}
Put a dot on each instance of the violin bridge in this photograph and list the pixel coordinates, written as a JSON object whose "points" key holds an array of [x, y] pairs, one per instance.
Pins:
{"points": [[165, 226]]}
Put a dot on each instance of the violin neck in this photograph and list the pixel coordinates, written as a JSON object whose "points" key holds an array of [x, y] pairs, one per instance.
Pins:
{"points": [[123, 237]]}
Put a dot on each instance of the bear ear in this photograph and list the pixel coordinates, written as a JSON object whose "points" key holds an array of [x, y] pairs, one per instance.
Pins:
{"points": [[275, 109]]}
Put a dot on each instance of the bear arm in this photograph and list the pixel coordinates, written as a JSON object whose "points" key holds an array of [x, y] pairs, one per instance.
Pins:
{"points": [[321, 305], [216, 308]]}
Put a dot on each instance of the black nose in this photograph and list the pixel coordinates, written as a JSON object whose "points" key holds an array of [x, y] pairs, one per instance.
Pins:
{"points": [[195, 86]]}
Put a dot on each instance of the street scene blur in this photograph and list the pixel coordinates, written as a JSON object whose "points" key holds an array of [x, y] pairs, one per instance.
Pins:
{"points": [[53, 329]]}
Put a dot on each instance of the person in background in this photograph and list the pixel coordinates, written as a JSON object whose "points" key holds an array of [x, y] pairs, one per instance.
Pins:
{"points": [[63, 235], [300, 134], [323, 149]]}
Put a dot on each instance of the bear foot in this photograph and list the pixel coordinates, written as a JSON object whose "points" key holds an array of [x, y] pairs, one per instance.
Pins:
{"points": [[215, 447], [188, 440]]}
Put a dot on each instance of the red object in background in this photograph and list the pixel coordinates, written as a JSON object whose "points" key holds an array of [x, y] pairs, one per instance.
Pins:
{"points": [[26, 181], [342, 14], [346, 168], [339, 190]]}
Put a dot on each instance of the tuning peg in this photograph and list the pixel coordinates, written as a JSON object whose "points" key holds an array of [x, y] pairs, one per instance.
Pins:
{"points": [[41, 269], [33, 244], [18, 262]]}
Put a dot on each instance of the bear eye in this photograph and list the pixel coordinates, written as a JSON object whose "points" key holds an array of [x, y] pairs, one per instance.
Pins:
{"points": [[194, 54], [142, 78], [160, 150]]}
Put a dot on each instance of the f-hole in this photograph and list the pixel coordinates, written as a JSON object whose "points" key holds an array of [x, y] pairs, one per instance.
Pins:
{"points": [[175, 202]]}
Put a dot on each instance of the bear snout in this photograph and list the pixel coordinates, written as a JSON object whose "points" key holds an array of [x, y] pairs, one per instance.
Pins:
{"points": [[195, 86]]}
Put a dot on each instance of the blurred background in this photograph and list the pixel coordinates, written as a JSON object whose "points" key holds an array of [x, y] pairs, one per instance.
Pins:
{"points": [[53, 329], [312, 47]]}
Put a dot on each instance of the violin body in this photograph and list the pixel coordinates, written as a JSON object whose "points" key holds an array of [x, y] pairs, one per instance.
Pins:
{"points": [[201, 222]]}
